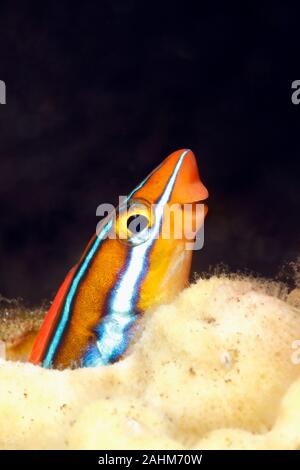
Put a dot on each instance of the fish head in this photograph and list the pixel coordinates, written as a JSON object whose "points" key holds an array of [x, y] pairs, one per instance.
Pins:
{"points": [[158, 223]]}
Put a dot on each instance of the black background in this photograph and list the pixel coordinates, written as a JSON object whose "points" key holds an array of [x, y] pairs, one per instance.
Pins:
{"points": [[98, 93]]}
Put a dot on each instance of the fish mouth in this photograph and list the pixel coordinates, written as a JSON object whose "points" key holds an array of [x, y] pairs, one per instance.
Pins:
{"points": [[189, 187], [181, 169]]}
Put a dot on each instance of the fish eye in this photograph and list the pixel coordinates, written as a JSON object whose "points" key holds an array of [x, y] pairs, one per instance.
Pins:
{"points": [[136, 223]]}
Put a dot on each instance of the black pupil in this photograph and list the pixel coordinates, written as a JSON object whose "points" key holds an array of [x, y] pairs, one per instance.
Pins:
{"points": [[137, 223]]}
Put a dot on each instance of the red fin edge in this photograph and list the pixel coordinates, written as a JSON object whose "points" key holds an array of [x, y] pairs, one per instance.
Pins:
{"points": [[50, 320]]}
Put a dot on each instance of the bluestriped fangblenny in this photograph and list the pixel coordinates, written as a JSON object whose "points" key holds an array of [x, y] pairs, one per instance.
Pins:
{"points": [[92, 316]]}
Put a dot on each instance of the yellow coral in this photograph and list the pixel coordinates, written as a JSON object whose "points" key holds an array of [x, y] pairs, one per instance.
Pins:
{"points": [[215, 369]]}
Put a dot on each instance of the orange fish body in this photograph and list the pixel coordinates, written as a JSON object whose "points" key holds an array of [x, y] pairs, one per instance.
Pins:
{"points": [[120, 277]]}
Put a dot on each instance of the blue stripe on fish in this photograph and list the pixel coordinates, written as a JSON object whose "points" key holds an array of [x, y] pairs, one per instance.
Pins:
{"points": [[113, 330], [54, 344]]}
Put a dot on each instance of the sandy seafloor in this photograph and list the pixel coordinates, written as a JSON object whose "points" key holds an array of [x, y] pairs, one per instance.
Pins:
{"points": [[219, 368]]}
